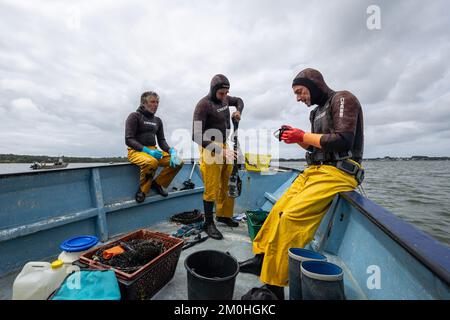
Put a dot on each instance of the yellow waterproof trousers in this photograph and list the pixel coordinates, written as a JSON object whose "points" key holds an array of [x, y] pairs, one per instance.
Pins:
{"points": [[295, 217], [215, 180], [148, 166]]}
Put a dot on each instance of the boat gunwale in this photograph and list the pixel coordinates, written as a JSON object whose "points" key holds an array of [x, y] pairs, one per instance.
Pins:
{"points": [[188, 162]]}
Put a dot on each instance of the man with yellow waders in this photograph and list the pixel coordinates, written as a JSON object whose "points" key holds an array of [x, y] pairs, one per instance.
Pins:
{"points": [[211, 125], [334, 153], [142, 129]]}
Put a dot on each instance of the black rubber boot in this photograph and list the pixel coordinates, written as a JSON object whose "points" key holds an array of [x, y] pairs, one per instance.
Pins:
{"points": [[252, 265], [266, 292], [159, 189], [140, 196], [210, 227], [278, 291], [228, 221]]}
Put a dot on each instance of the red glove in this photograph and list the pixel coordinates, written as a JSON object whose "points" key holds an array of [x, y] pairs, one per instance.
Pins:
{"points": [[286, 127], [293, 135]]}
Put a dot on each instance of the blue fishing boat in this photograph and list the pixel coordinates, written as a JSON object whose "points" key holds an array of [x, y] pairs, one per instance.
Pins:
{"points": [[383, 257]]}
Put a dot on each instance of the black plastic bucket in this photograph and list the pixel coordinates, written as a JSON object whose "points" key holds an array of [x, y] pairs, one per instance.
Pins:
{"points": [[211, 275], [296, 256], [322, 281]]}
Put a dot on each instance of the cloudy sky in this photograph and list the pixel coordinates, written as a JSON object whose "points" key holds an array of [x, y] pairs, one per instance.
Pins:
{"points": [[72, 71]]}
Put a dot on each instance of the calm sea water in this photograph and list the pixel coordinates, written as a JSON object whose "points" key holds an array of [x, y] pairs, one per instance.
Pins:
{"points": [[416, 191], [25, 167]]}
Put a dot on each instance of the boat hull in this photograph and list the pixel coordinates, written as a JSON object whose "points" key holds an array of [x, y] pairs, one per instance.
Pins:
{"points": [[383, 257]]}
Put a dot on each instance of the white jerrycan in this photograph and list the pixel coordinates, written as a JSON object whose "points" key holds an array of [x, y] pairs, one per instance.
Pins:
{"points": [[38, 280]]}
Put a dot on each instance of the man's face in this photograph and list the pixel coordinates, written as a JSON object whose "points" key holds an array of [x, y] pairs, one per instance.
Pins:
{"points": [[152, 104], [221, 94], [302, 94]]}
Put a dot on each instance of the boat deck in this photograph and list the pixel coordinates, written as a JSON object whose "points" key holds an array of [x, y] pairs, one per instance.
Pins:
{"points": [[236, 241]]}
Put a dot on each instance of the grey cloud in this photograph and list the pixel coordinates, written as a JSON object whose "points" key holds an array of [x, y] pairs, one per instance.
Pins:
{"points": [[85, 75]]}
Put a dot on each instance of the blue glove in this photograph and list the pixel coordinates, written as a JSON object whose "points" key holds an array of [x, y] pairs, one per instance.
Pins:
{"points": [[154, 153], [174, 158]]}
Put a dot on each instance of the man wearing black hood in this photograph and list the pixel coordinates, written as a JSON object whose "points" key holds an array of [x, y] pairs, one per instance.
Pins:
{"points": [[334, 154], [142, 129], [211, 125]]}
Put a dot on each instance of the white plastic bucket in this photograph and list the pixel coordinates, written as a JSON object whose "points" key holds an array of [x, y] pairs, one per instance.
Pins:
{"points": [[69, 257]]}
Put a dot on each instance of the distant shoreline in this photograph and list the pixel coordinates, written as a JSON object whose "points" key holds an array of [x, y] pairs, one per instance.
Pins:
{"points": [[15, 158], [413, 158]]}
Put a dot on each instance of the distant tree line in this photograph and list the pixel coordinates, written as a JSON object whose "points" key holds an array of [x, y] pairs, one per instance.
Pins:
{"points": [[387, 158], [413, 158], [18, 158]]}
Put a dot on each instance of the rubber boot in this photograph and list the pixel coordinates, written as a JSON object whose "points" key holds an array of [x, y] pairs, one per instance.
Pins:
{"points": [[159, 189], [278, 291], [228, 221], [140, 196], [252, 265], [266, 292], [210, 227]]}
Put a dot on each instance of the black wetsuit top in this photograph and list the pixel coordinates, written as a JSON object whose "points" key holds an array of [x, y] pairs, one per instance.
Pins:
{"points": [[142, 128]]}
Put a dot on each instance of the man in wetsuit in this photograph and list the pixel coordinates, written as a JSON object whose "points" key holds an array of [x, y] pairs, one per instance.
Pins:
{"points": [[334, 154], [211, 125], [142, 129]]}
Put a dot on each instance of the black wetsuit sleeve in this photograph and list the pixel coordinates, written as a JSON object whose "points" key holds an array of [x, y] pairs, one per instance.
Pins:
{"points": [[236, 102], [160, 136], [131, 127]]}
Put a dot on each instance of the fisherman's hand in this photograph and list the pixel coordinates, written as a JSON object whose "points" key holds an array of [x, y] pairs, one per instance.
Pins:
{"points": [[174, 158], [286, 127], [236, 116], [153, 152], [292, 135], [280, 131]]}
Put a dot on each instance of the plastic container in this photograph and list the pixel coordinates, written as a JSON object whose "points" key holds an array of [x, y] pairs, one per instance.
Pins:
{"points": [[38, 280], [322, 281], [296, 256], [211, 275], [69, 257], [145, 282], [255, 220], [75, 247]]}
